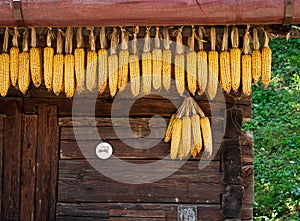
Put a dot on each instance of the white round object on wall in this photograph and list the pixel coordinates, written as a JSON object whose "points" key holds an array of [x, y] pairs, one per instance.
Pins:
{"points": [[104, 150]]}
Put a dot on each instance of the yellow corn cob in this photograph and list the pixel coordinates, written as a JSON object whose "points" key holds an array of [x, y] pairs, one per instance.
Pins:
{"points": [[191, 69], [194, 153], [179, 73], [35, 66], [48, 67], [24, 75], [246, 74], [186, 135], [235, 64], [146, 72], [256, 65], [213, 65], [123, 69], [181, 150], [157, 68], [166, 68], [176, 137], [225, 76], [196, 133], [206, 135], [79, 55], [202, 71], [113, 74], [69, 78], [168, 134], [102, 70], [91, 71], [4, 74], [266, 58], [58, 73], [134, 71], [14, 65]]}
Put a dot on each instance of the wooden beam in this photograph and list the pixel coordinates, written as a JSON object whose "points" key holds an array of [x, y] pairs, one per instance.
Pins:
{"points": [[1, 157]]}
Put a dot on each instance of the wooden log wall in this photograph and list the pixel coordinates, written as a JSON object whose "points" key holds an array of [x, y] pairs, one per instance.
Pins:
{"points": [[46, 177]]}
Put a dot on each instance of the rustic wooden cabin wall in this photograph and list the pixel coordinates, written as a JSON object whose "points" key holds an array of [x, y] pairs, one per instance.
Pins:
{"points": [[44, 175]]}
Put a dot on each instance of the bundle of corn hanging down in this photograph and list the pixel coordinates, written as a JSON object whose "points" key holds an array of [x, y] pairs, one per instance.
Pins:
{"points": [[91, 63], [4, 66], [102, 62], [48, 60], [24, 74], [69, 78], [79, 57], [189, 131], [134, 65]]}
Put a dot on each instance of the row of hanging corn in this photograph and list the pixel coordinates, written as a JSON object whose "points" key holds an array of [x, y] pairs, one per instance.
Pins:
{"points": [[200, 71]]}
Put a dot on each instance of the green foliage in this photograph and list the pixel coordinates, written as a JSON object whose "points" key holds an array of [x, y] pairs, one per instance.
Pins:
{"points": [[276, 127]]}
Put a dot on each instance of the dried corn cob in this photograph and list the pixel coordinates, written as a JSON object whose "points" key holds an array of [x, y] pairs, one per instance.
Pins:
{"points": [[179, 62], [202, 63], [4, 66], [168, 134], [235, 60], [134, 65], [48, 60], [58, 66], [69, 64], [35, 60], [256, 58], [14, 59], [91, 66], [102, 62], [24, 74], [123, 60], [225, 75], [266, 61], [79, 57], [213, 66], [176, 137], [196, 133], [186, 135], [166, 60], [191, 64], [246, 65], [206, 135], [157, 62], [113, 64], [146, 64]]}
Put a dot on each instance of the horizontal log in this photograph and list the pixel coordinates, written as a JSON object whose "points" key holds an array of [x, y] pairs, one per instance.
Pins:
{"points": [[137, 213], [145, 12], [135, 219], [96, 211], [79, 182]]}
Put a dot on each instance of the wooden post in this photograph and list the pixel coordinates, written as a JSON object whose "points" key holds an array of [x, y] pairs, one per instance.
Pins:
{"points": [[1, 157]]}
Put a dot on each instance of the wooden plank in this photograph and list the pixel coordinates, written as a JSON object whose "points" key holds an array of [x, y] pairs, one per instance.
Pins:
{"points": [[247, 212], [231, 161], [135, 219], [47, 159], [137, 213], [234, 123], [232, 201], [7, 102], [79, 182], [11, 164], [248, 184], [1, 156], [28, 170]]}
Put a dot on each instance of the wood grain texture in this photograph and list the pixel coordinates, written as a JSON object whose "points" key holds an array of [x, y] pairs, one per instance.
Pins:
{"points": [[137, 213], [232, 201], [1, 156], [47, 159], [28, 169]]}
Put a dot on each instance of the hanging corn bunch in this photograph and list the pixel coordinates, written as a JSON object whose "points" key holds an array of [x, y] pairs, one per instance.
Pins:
{"points": [[69, 78], [256, 58], [58, 66], [14, 58], [246, 64], [266, 61], [166, 60], [79, 57], [24, 74], [91, 64], [189, 131], [225, 75], [123, 60], [134, 65], [213, 66], [191, 64], [179, 62], [48, 60], [202, 63], [4, 66], [146, 64], [113, 64], [235, 60], [157, 61], [102, 62], [35, 60]]}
